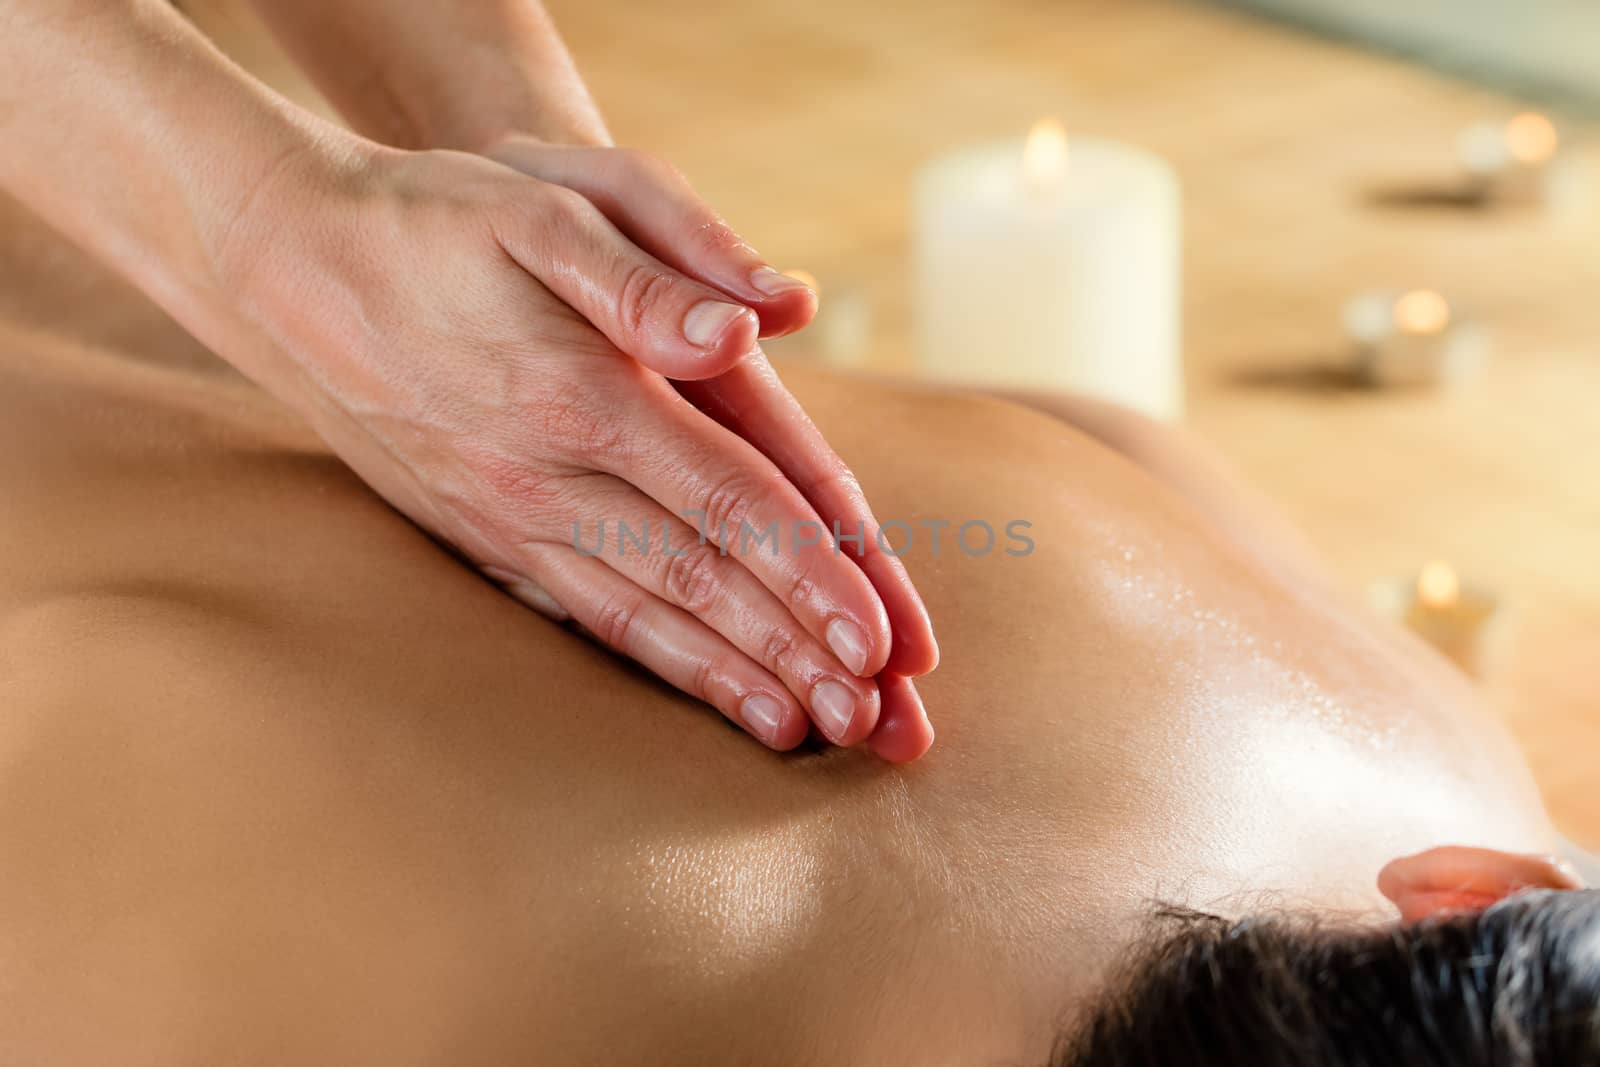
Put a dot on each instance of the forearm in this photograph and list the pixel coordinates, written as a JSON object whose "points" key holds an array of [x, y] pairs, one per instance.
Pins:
{"points": [[127, 131], [425, 74]]}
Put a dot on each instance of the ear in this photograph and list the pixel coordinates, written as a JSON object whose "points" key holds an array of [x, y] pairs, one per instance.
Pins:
{"points": [[1454, 878]]}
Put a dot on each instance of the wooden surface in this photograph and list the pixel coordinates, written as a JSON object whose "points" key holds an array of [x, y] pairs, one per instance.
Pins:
{"points": [[804, 123]]}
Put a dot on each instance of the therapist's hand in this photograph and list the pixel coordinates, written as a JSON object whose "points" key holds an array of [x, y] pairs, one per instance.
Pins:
{"points": [[495, 79], [482, 347], [652, 204]]}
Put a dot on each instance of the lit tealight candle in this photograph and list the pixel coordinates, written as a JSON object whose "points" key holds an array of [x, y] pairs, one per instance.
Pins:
{"points": [[1413, 338], [1052, 264], [840, 335], [843, 330], [1457, 620], [1513, 160], [806, 278]]}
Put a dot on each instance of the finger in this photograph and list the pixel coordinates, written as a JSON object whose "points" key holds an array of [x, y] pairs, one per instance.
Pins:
{"points": [[528, 592], [1466, 878], [904, 732], [672, 644], [752, 402], [644, 543], [675, 326], [722, 486], [655, 206]]}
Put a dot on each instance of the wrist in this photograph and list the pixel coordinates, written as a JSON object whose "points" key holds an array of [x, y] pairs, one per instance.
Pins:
{"points": [[271, 261], [452, 76], [282, 192], [489, 130]]}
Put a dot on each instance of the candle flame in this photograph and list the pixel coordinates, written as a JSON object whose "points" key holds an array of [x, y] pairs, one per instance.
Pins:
{"points": [[1438, 586], [806, 278], [1421, 311], [1531, 138], [1044, 155]]}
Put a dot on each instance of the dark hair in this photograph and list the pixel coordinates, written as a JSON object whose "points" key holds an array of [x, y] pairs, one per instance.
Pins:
{"points": [[1514, 985]]}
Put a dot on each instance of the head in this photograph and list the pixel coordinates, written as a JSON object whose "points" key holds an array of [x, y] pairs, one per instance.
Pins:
{"points": [[1496, 961]]}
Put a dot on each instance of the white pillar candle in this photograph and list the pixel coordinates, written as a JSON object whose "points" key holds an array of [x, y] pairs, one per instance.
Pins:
{"points": [[1052, 265]]}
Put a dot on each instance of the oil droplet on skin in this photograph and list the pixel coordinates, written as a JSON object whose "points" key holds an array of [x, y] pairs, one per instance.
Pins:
{"points": [[1243, 666]]}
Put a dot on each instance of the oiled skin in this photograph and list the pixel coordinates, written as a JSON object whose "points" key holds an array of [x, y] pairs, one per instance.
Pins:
{"points": [[282, 782]]}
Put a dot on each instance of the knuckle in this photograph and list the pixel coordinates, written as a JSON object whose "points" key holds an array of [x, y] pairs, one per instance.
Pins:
{"points": [[725, 506], [841, 480], [706, 680], [728, 506], [779, 650], [546, 221], [691, 580], [715, 237], [646, 289], [838, 483], [614, 624], [648, 166], [562, 221], [560, 205], [802, 589], [571, 425]]}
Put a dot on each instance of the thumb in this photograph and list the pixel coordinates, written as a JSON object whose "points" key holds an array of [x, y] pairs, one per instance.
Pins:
{"points": [[677, 327], [655, 206]]}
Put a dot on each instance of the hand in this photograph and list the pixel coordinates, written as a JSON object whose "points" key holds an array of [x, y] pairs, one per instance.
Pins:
{"points": [[463, 336], [653, 205]]}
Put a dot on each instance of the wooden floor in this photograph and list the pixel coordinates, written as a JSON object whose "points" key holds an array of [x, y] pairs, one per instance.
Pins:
{"points": [[804, 123]]}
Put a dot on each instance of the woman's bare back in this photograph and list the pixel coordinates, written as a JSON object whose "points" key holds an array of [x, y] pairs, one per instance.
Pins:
{"points": [[280, 780]]}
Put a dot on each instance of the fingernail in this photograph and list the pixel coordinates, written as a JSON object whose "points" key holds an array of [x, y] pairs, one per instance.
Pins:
{"points": [[849, 644], [763, 713], [709, 320], [773, 282], [835, 706]]}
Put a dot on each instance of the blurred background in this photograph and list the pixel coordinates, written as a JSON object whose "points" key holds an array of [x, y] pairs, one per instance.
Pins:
{"points": [[1534, 47], [1321, 154]]}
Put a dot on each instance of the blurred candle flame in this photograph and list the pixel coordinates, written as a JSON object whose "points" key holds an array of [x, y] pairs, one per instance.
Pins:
{"points": [[1438, 586], [807, 278], [1531, 138], [1421, 311], [1044, 155]]}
